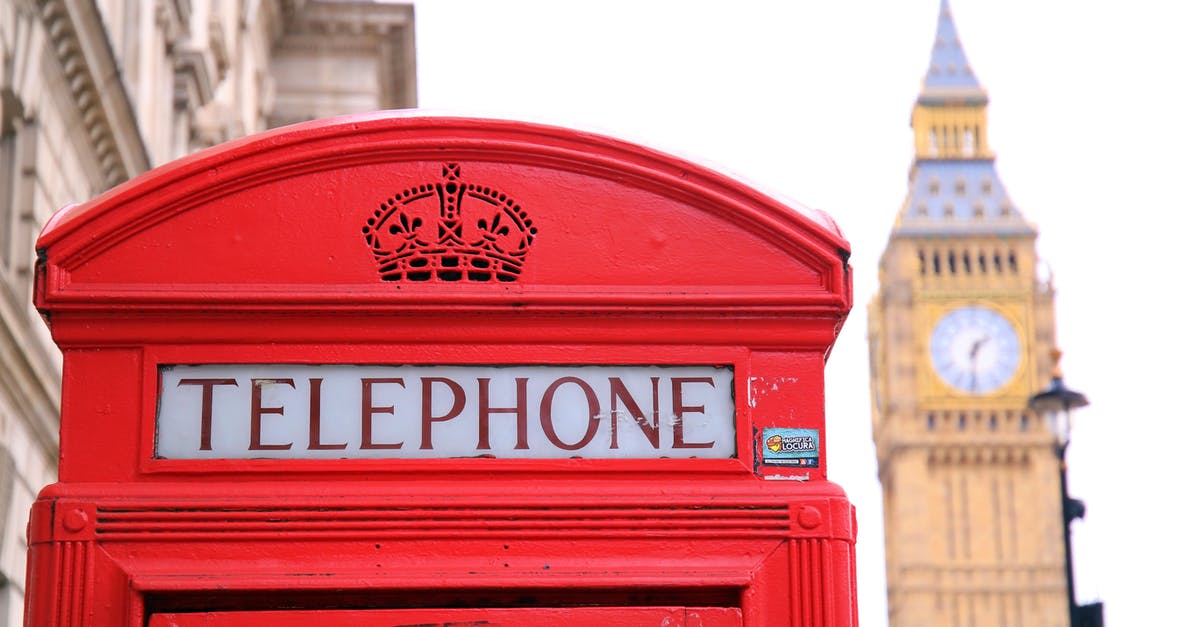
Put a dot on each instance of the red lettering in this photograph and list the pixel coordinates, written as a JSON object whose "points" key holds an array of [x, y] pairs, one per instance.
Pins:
{"points": [[206, 399], [369, 410], [593, 413], [314, 418], [486, 411], [257, 410], [427, 417], [617, 390], [680, 409]]}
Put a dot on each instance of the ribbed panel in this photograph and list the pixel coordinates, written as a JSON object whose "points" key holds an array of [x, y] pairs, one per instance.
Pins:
{"points": [[811, 561], [574, 522], [74, 567]]}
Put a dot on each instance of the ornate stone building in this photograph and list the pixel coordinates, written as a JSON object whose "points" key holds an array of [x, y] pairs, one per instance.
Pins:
{"points": [[961, 334], [95, 92]]}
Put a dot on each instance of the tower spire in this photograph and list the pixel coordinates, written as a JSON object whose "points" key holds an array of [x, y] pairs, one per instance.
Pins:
{"points": [[953, 184], [949, 77]]}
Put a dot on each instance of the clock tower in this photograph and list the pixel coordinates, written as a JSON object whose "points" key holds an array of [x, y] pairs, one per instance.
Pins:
{"points": [[961, 334]]}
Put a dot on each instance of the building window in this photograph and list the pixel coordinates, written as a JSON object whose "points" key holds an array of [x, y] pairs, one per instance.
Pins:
{"points": [[968, 144]]}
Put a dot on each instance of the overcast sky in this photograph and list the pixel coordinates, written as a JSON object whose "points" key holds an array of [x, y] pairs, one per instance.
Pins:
{"points": [[1095, 120]]}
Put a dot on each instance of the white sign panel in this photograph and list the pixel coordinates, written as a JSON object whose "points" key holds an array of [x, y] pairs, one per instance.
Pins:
{"points": [[217, 411]]}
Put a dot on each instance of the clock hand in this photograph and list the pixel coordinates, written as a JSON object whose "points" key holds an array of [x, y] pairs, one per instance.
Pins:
{"points": [[975, 347]]}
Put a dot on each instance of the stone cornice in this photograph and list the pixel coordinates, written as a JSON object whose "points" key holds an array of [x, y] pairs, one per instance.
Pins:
{"points": [[80, 41], [350, 17], [386, 28]]}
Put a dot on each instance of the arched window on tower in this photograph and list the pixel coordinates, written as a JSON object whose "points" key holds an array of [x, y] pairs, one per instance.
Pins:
{"points": [[933, 142], [968, 143]]}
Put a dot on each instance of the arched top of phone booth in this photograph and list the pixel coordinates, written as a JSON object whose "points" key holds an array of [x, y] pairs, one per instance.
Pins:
{"points": [[387, 212]]}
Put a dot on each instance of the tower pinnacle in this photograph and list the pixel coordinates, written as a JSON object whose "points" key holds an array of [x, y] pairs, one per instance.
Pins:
{"points": [[953, 184], [949, 77]]}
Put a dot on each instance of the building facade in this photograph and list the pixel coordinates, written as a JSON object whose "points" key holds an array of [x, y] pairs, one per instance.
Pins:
{"points": [[961, 334], [93, 93]]}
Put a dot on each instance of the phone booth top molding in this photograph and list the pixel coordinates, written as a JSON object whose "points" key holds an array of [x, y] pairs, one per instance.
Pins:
{"points": [[276, 221], [386, 238]]}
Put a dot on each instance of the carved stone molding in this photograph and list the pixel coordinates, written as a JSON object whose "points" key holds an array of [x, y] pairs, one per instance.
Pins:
{"points": [[81, 44]]}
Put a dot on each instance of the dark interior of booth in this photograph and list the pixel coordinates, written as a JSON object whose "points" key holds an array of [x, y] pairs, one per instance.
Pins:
{"points": [[458, 598]]}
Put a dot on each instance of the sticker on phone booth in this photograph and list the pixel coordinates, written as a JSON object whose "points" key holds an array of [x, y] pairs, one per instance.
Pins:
{"points": [[797, 448]]}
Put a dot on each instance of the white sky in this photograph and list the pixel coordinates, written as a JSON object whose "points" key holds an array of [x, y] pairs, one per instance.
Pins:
{"points": [[1095, 119]]}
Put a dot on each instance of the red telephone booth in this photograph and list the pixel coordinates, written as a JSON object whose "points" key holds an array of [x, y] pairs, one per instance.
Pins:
{"points": [[384, 370]]}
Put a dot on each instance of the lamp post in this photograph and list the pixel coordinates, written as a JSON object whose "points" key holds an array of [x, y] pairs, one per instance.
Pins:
{"points": [[1055, 404]]}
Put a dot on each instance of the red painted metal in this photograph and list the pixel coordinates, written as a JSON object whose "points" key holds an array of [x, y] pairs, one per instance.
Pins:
{"points": [[261, 251]]}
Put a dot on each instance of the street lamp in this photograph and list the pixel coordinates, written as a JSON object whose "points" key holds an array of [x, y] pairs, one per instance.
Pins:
{"points": [[1055, 404]]}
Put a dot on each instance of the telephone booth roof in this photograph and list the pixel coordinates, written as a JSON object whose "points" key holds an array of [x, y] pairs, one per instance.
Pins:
{"points": [[310, 217]]}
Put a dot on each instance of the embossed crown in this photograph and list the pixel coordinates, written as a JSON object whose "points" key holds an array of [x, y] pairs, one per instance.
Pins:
{"points": [[449, 231]]}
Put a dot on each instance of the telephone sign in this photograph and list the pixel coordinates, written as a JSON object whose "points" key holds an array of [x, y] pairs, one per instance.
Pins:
{"points": [[355, 411]]}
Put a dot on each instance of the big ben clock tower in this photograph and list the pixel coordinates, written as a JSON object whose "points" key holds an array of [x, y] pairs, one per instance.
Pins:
{"points": [[961, 334]]}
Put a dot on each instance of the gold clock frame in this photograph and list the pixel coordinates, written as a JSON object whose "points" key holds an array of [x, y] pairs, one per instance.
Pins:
{"points": [[936, 393]]}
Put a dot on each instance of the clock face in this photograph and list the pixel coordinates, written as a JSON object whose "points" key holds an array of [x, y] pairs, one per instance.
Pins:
{"points": [[975, 349]]}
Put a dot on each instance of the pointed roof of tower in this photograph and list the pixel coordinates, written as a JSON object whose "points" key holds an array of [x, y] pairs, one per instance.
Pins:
{"points": [[949, 76], [958, 197]]}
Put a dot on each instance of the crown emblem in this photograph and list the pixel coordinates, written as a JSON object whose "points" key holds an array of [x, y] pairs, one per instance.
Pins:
{"points": [[449, 231]]}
